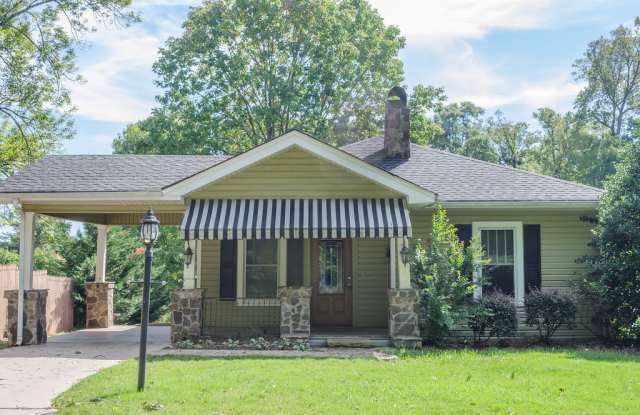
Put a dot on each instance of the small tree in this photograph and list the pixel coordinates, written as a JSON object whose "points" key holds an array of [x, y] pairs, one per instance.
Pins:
{"points": [[443, 271], [547, 311]]}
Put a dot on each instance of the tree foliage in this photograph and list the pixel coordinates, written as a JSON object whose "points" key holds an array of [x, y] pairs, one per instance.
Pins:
{"points": [[37, 40], [611, 69], [443, 271], [617, 236], [244, 72]]}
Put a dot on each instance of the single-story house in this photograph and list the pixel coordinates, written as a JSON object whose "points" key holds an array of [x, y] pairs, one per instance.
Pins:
{"points": [[296, 236]]}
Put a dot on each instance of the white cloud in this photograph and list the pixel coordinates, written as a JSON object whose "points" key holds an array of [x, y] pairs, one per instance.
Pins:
{"points": [[104, 95], [466, 77], [118, 79], [435, 21]]}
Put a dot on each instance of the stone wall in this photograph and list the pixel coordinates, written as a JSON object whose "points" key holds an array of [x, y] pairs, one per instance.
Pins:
{"points": [[99, 304], [404, 317], [295, 312], [186, 314], [35, 317]]}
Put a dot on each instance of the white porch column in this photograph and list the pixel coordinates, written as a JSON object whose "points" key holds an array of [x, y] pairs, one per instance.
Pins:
{"points": [[400, 275], [393, 267], [25, 270], [101, 253]]}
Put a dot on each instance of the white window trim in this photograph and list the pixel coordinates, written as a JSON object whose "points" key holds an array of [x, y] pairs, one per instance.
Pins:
{"points": [[518, 260], [241, 280]]}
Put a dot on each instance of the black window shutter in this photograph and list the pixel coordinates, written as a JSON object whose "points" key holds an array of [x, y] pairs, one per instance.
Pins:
{"points": [[464, 234], [228, 256], [532, 257]]}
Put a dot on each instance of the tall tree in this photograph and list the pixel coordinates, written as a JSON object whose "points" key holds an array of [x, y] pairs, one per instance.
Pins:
{"points": [[512, 139], [617, 235], [611, 69], [244, 72], [424, 101], [480, 146], [459, 121], [569, 148], [37, 41]]}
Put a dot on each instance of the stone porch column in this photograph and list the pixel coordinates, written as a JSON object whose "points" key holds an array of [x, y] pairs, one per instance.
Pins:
{"points": [[295, 312], [34, 329], [404, 317], [99, 304], [186, 314], [100, 292]]}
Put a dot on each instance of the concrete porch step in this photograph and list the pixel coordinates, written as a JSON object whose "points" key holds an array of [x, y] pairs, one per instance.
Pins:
{"points": [[349, 341]]}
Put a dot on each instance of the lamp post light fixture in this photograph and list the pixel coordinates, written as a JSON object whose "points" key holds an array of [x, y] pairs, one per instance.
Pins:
{"points": [[149, 232], [188, 256]]}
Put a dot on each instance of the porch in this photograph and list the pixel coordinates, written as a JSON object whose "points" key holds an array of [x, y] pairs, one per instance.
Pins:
{"points": [[297, 268]]}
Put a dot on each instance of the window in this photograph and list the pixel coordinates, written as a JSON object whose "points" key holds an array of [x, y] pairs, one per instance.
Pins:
{"points": [[331, 267], [502, 242], [498, 244], [261, 268]]}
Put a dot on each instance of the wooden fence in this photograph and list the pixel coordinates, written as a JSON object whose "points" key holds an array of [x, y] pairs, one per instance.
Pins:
{"points": [[59, 299]]}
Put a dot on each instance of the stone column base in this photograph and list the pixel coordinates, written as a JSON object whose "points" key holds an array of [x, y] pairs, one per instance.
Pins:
{"points": [[186, 314], [295, 312], [404, 317], [99, 304], [34, 330]]}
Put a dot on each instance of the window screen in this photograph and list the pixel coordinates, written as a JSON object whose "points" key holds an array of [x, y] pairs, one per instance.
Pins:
{"points": [[261, 268], [499, 247]]}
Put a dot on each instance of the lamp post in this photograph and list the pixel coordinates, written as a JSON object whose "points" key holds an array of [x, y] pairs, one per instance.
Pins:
{"points": [[149, 232]]}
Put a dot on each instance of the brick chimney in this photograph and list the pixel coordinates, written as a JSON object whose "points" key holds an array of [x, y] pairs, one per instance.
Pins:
{"points": [[396, 125]]}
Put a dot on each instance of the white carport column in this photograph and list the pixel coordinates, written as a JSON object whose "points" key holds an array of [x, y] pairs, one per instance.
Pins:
{"points": [[101, 253], [25, 273]]}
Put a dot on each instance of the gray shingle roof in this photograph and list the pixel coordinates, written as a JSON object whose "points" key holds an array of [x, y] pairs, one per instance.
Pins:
{"points": [[457, 178], [106, 173], [454, 178]]}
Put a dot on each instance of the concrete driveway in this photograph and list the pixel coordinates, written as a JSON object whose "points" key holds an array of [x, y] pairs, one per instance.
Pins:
{"points": [[31, 376]]}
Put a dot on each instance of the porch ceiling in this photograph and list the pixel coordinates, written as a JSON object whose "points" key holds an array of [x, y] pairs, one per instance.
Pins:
{"points": [[108, 212]]}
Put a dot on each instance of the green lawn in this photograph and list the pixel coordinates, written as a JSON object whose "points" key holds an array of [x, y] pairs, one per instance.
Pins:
{"points": [[441, 382]]}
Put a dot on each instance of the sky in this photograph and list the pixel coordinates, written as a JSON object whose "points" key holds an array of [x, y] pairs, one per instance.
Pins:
{"points": [[508, 55]]}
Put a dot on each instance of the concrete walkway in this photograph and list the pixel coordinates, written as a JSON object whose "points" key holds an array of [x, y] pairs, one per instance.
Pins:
{"points": [[31, 376]]}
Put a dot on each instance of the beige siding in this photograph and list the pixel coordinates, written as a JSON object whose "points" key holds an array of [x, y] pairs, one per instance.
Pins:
{"points": [[293, 173], [564, 238], [370, 282]]}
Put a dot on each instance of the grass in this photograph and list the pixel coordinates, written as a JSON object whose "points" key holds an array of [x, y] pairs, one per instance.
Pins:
{"points": [[436, 382], [3, 344]]}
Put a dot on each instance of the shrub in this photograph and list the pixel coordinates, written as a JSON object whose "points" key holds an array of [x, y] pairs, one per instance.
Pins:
{"points": [[547, 311], [494, 315], [616, 269], [441, 270]]}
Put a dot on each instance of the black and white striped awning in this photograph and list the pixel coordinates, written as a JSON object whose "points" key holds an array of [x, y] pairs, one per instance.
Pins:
{"points": [[296, 218]]}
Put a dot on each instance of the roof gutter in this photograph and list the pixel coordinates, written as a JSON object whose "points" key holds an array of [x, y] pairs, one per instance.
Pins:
{"points": [[107, 197], [553, 204]]}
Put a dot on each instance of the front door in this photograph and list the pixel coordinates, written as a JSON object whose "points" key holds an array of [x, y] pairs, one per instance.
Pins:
{"points": [[331, 279]]}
